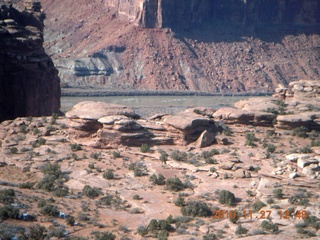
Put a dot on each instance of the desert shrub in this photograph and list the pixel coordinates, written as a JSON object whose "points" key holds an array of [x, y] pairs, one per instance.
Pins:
{"points": [[251, 139], [61, 192], [180, 202], [164, 156], [23, 128], [144, 148], [241, 230], [50, 210], [70, 220], [213, 169], [8, 211], [116, 154], [179, 156], [158, 180], [209, 236], [27, 185], [305, 149], [142, 231], [271, 148], [206, 154], [37, 232], [83, 217], [58, 232], [91, 192], [196, 209], [95, 155], [227, 131], [174, 184], [91, 166], [109, 174], [215, 151], [268, 226], [210, 161], [226, 197], [13, 150], [75, 147], [257, 206], [7, 196], [277, 193], [104, 236], [234, 219], [52, 169], [136, 197], [300, 132]]}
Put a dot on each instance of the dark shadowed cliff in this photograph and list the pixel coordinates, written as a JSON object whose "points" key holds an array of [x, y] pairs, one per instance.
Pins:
{"points": [[205, 45], [29, 82]]}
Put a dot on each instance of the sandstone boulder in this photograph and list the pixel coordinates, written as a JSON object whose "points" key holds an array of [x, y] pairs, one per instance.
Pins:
{"points": [[238, 116], [205, 139], [310, 120], [95, 110]]}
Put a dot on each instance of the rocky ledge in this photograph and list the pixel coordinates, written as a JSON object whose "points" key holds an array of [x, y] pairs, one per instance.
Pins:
{"points": [[29, 82]]}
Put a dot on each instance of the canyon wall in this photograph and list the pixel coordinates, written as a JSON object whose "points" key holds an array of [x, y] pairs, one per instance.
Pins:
{"points": [[213, 46], [29, 82], [173, 13]]}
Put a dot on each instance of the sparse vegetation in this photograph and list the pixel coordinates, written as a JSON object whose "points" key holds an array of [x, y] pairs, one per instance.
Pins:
{"points": [[226, 197], [179, 155], [109, 174], [196, 209], [174, 184], [158, 180], [145, 148], [91, 192], [251, 139], [257, 206]]}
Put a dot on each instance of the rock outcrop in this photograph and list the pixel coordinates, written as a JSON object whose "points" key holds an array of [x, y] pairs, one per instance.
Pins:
{"points": [[290, 108], [205, 46], [29, 82], [106, 125]]}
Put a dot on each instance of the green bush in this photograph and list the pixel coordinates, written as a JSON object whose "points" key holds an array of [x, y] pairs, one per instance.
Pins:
{"points": [[37, 232], [179, 156], [158, 180], [163, 156], [104, 236], [8, 211], [50, 210], [91, 192], [277, 193], [226, 197], [196, 209], [241, 230], [174, 184], [257, 206], [142, 231], [75, 147], [250, 139], [300, 132], [144, 148], [95, 155], [271, 148], [180, 202], [268, 226], [7, 196], [109, 174], [116, 154], [215, 151], [70, 220], [13, 150]]}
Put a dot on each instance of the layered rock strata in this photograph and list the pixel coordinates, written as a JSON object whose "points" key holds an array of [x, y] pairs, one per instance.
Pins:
{"points": [[109, 125], [292, 107], [29, 82], [214, 46]]}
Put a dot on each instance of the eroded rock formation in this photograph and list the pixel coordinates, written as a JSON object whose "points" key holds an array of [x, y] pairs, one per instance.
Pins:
{"points": [[29, 82], [106, 125]]}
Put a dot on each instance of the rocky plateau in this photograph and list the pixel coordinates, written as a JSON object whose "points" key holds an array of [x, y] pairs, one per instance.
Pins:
{"points": [[103, 171]]}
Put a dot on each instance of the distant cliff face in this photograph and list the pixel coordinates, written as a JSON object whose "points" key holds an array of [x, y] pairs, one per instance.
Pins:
{"points": [[190, 45], [174, 13], [29, 82]]}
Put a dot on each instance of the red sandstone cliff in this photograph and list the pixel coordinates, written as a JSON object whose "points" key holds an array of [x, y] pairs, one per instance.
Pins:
{"points": [[207, 45], [29, 82]]}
